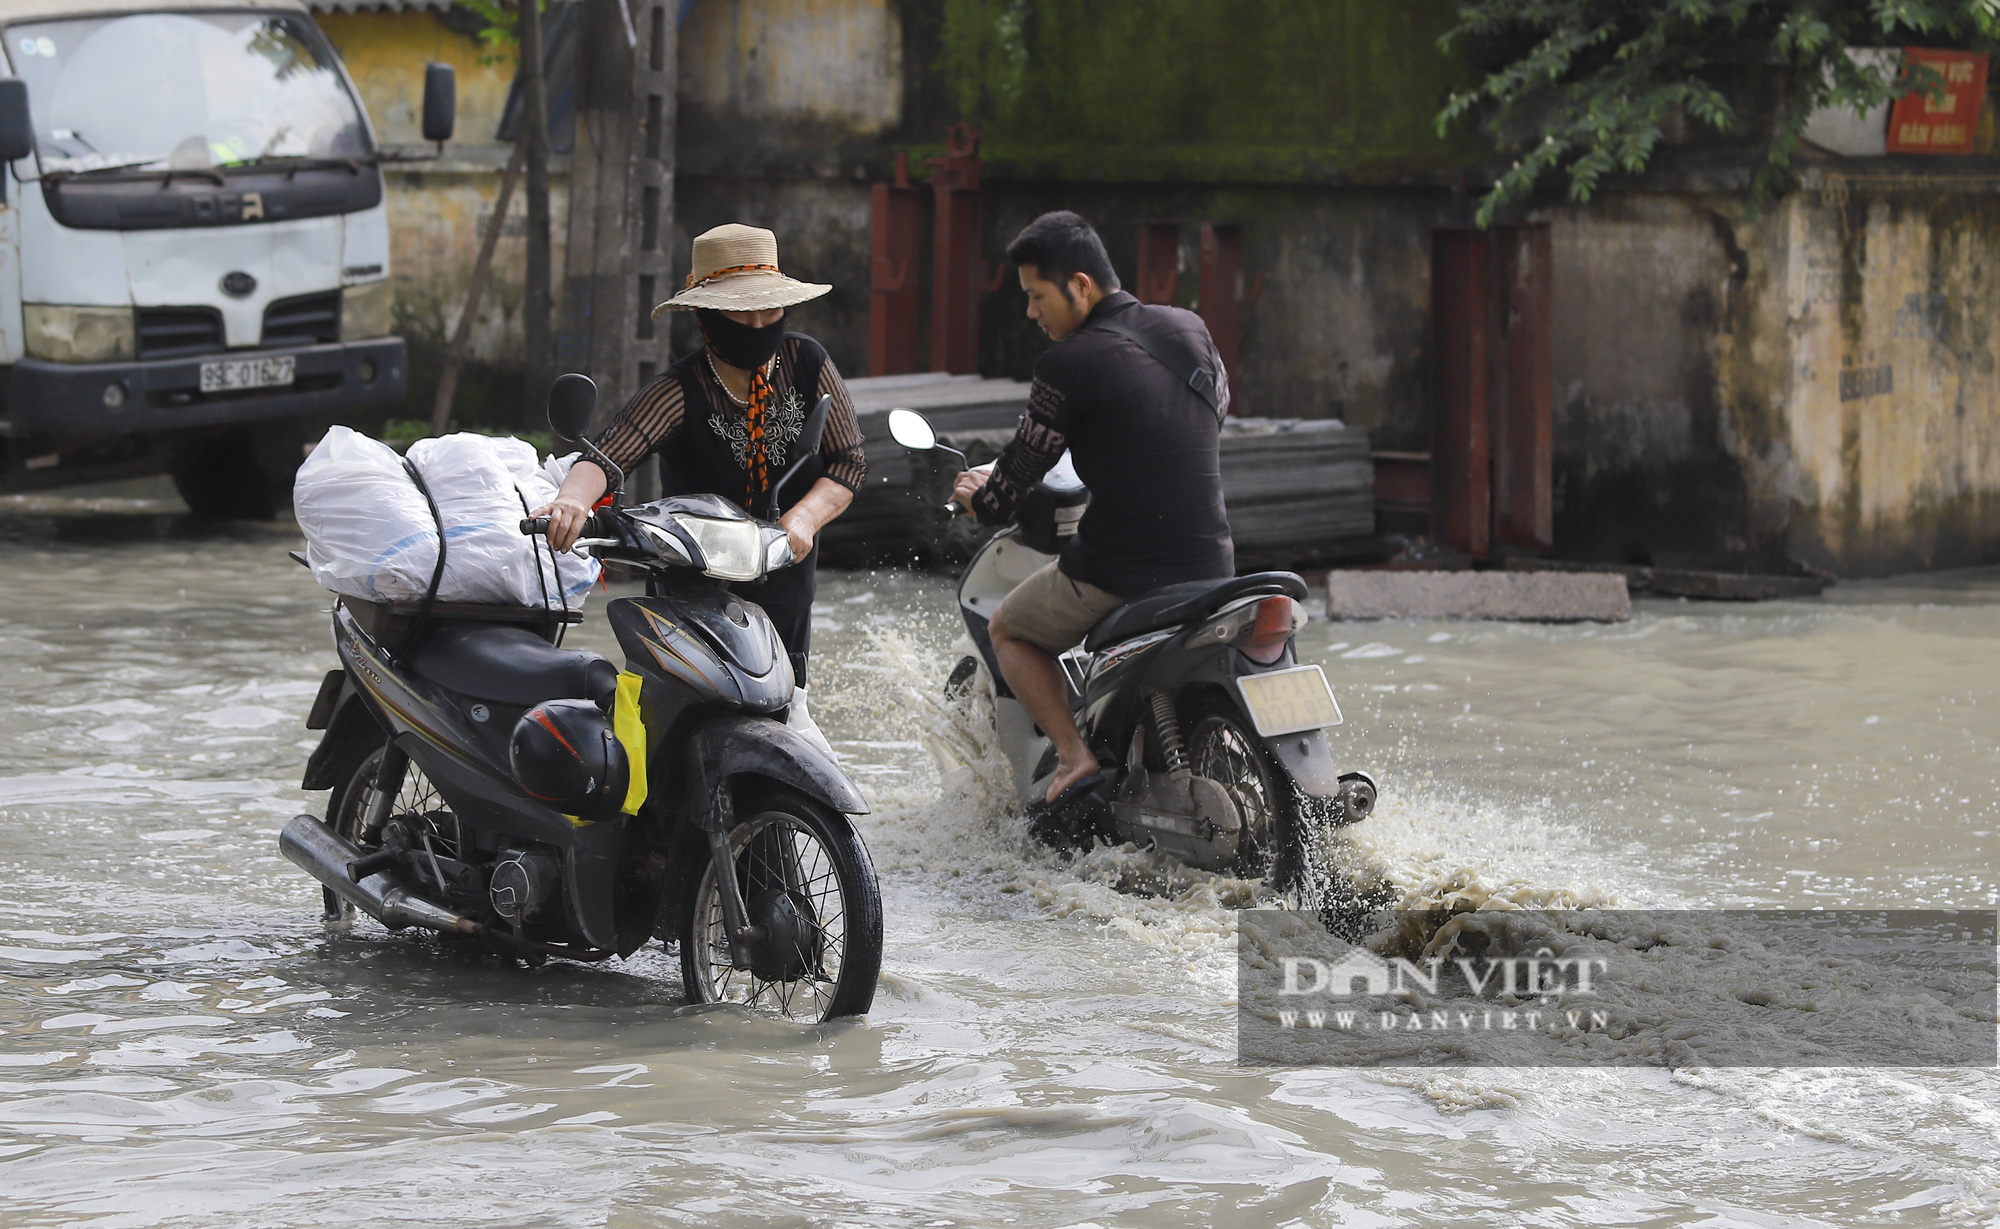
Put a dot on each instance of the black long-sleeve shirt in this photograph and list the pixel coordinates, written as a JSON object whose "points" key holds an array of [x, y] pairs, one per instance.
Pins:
{"points": [[1146, 445]]}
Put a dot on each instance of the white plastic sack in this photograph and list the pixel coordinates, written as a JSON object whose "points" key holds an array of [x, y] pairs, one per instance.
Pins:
{"points": [[368, 532], [483, 487]]}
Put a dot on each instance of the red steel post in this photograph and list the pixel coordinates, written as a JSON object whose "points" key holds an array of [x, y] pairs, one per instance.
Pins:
{"points": [[957, 271], [894, 294], [1159, 262], [1221, 291], [1462, 329], [1523, 424]]}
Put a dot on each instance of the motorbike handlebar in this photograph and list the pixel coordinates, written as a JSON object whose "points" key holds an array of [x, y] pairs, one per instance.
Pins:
{"points": [[594, 526]]}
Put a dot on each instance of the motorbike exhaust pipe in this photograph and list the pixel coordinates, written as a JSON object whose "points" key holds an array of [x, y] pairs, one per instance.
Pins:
{"points": [[325, 855]]}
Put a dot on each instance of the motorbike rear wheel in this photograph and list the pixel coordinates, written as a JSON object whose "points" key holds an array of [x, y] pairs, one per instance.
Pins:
{"points": [[807, 879], [1222, 747], [347, 808]]}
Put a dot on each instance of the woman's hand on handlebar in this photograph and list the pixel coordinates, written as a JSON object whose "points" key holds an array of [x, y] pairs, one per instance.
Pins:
{"points": [[566, 517], [800, 528]]}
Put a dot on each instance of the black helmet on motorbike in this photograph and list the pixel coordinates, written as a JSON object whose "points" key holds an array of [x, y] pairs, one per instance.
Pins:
{"points": [[565, 754]]}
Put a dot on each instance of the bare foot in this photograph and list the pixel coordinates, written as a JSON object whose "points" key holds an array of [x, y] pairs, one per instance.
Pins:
{"points": [[1067, 775]]}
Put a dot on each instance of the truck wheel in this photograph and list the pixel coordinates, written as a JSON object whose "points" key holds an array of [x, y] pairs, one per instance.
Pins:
{"points": [[241, 473]]}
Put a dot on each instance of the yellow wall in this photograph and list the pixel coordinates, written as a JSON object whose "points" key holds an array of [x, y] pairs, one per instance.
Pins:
{"points": [[386, 53], [1894, 405]]}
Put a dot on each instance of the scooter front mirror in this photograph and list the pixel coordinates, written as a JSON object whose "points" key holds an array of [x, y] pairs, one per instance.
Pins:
{"points": [[572, 400], [912, 430]]}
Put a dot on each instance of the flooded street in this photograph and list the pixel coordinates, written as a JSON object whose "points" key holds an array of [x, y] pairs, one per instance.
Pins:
{"points": [[181, 1044]]}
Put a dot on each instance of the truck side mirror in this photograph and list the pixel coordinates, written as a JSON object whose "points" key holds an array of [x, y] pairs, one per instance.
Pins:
{"points": [[17, 132], [440, 102]]}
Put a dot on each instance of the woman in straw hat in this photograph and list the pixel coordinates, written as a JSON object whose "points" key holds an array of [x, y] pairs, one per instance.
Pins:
{"points": [[723, 419]]}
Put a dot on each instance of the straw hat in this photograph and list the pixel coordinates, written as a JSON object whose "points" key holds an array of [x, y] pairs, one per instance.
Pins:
{"points": [[736, 270]]}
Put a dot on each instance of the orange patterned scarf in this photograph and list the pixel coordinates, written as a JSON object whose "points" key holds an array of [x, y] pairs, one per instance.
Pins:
{"points": [[757, 473]]}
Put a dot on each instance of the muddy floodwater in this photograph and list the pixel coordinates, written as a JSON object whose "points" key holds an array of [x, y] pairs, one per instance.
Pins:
{"points": [[1052, 1045]]}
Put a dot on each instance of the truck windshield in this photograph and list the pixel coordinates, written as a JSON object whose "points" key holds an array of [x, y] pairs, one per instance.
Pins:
{"points": [[183, 91]]}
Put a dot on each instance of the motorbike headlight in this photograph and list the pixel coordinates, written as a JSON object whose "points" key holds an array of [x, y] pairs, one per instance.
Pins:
{"points": [[666, 545], [78, 334], [367, 310], [732, 550]]}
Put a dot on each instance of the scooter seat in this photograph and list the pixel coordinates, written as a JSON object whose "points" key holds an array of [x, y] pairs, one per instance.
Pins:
{"points": [[1183, 603], [510, 665]]}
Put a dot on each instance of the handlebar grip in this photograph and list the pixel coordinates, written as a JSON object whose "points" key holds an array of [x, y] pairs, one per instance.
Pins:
{"points": [[537, 525]]}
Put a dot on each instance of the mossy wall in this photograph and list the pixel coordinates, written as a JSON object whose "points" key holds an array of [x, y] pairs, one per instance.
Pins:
{"points": [[1251, 91]]}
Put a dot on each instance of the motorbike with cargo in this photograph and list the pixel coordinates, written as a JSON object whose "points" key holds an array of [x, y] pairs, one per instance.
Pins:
{"points": [[1212, 735], [487, 782]]}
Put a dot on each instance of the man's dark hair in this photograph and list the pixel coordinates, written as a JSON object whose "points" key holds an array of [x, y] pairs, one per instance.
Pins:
{"points": [[1059, 244]]}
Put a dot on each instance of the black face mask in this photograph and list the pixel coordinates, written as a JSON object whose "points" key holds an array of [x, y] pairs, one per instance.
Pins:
{"points": [[739, 345]]}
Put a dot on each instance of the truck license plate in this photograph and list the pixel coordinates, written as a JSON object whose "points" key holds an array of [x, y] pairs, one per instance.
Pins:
{"points": [[225, 375], [1289, 701]]}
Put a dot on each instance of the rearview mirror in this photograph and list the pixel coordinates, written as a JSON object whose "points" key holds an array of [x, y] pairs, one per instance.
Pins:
{"points": [[17, 134], [440, 102], [572, 401], [815, 427], [912, 430]]}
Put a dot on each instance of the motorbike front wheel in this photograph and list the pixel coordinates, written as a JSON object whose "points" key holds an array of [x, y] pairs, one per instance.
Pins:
{"points": [[807, 882]]}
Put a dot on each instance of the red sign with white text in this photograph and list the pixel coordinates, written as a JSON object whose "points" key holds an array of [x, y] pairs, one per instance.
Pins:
{"points": [[1925, 123]]}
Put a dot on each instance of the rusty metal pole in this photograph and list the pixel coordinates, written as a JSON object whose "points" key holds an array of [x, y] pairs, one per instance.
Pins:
{"points": [[1462, 337], [1223, 296], [956, 268], [894, 294], [1159, 262], [1523, 422]]}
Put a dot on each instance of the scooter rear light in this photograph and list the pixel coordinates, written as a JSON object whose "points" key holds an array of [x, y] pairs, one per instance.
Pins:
{"points": [[1277, 619]]}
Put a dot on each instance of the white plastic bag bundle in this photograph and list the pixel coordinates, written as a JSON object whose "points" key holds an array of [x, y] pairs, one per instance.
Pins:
{"points": [[576, 573], [368, 532], [483, 487]]}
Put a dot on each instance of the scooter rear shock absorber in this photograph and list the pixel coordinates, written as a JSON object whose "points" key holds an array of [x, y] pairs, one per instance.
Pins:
{"points": [[1173, 753]]}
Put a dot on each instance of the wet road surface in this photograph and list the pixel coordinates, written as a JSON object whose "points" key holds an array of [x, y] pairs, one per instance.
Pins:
{"points": [[181, 1044]]}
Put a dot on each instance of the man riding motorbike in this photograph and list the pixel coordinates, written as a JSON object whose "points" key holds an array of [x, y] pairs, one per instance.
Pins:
{"points": [[1137, 394], [722, 421]]}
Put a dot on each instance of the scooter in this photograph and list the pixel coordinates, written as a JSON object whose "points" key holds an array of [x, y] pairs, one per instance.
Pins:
{"points": [[1212, 735], [488, 783]]}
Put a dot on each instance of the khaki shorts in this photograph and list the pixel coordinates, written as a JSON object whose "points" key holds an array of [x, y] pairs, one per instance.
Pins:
{"points": [[1054, 612]]}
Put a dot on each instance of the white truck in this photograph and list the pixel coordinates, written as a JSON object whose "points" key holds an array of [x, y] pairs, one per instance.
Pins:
{"points": [[194, 250]]}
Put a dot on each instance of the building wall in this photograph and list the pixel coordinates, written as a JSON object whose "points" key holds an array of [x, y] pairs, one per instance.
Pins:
{"points": [[1816, 385], [1892, 410]]}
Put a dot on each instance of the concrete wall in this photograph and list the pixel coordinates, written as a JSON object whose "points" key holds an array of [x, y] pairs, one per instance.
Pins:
{"points": [[1339, 325], [1892, 410], [1817, 385], [784, 107]]}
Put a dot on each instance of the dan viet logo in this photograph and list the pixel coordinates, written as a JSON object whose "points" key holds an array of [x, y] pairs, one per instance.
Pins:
{"points": [[1501, 986]]}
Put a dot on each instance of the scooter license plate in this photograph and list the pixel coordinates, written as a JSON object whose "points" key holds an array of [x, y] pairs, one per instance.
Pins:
{"points": [[229, 374], [1289, 701]]}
